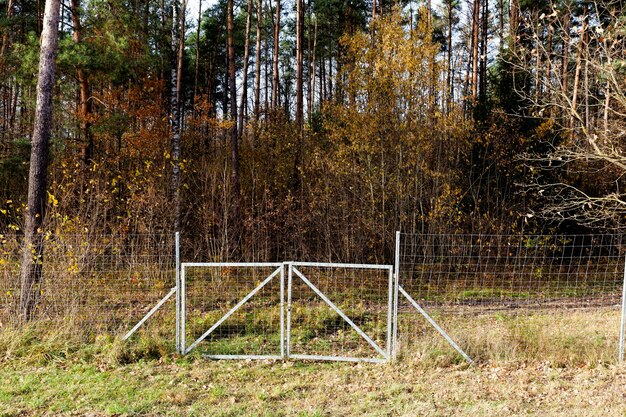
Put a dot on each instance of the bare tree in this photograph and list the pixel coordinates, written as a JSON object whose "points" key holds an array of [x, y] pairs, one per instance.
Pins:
{"points": [[32, 258], [244, 81], [580, 145]]}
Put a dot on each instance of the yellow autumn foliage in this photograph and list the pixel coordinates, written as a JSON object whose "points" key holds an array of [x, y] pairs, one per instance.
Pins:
{"points": [[389, 155]]}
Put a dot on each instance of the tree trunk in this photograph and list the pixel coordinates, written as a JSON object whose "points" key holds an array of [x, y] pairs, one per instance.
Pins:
{"points": [[581, 45], [330, 76], [322, 79], [449, 52], [234, 145], [197, 64], [513, 23], [309, 52], [483, 51], [179, 66], [586, 92], [163, 53], [299, 63], [257, 61], [85, 104], [176, 72], [565, 63], [266, 72], [312, 75], [244, 81], [275, 89], [607, 103], [475, 45], [538, 49], [32, 257], [548, 76], [6, 36]]}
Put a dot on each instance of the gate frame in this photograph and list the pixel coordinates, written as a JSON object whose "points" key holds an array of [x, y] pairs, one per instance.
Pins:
{"points": [[278, 269], [285, 323], [385, 353]]}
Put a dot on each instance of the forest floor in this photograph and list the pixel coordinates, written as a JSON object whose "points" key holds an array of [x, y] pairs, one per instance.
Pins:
{"points": [[195, 387]]}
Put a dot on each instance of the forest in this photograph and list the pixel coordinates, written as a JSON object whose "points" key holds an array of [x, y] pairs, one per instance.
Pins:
{"points": [[311, 189], [273, 129]]}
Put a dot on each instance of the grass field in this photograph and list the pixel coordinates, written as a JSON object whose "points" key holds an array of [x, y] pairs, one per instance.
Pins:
{"points": [[206, 388], [544, 364]]}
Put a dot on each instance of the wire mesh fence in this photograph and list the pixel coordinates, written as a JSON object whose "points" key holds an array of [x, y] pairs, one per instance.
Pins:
{"points": [[101, 283], [514, 297], [497, 296]]}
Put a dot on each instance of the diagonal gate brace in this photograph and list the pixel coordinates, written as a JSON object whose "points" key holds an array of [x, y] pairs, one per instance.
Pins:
{"points": [[341, 313], [434, 324], [150, 313]]}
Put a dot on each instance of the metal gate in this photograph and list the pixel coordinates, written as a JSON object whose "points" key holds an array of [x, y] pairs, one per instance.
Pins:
{"points": [[291, 310], [288, 310], [233, 310], [340, 312]]}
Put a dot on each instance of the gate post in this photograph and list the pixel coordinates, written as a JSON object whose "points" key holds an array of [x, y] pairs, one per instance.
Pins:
{"points": [[288, 336], [282, 311], [177, 254], [623, 320], [396, 284]]}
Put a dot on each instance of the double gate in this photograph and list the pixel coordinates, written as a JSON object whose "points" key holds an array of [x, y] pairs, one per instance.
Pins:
{"points": [[289, 310], [292, 310]]}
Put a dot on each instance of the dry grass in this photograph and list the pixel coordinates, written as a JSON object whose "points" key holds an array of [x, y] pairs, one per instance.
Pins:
{"points": [[560, 337], [202, 388], [545, 364]]}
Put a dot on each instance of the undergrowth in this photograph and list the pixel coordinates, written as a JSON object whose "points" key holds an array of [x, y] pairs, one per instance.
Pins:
{"points": [[566, 339]]}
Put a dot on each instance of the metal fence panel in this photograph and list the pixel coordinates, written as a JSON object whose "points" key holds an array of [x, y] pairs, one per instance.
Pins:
{"points": [[233, 310], [95, 283], [339, 311]]}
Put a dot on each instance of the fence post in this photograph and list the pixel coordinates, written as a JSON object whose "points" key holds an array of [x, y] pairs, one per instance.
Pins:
{"points": [[282, 311], [623, 321], [390, 305], [177, 252], [288, 336], [395, 300], [183, 318]]}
